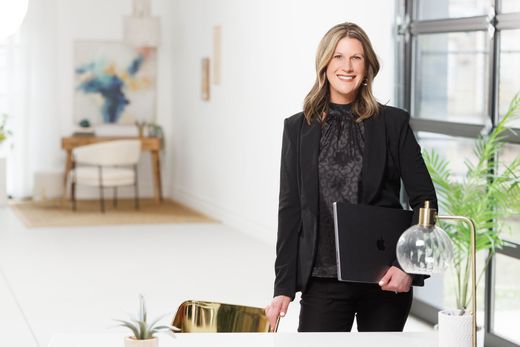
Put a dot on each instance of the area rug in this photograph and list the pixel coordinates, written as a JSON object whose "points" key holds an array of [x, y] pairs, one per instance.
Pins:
{"points": [[58, 213]]}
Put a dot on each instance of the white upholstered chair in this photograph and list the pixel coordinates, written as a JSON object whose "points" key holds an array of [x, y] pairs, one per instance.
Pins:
{"points": [[106, 164]]}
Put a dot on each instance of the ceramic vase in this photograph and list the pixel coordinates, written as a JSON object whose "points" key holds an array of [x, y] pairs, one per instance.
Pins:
{"points": [[455, 330]]}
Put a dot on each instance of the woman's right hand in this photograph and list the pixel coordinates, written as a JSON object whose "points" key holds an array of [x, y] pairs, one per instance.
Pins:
{"points": [[277, 308]]}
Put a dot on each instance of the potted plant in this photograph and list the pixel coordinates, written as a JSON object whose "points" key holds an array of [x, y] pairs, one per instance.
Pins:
{"points": [[484, 194], [143, 333], [154, 130], [4, 132]]}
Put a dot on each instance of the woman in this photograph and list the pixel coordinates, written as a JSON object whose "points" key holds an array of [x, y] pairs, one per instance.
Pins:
{"points": [[346, 147]]}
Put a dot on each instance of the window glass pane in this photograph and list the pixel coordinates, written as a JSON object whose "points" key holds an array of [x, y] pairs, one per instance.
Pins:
{"points": [[507, 298], [456, 150], [450, 288], [511, 229], [440, 288], [509, 83], [451, 77], [510, 6], [428, 9], [432, 292]]}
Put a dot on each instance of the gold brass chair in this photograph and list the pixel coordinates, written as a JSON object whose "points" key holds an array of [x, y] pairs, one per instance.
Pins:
{"points": [[214, 317]]}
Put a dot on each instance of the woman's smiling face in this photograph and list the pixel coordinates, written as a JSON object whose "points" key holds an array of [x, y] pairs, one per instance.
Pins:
{"points": [[346, 71]]}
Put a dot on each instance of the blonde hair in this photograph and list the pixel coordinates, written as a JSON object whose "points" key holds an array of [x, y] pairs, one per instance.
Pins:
{"points": [[316, 102]]}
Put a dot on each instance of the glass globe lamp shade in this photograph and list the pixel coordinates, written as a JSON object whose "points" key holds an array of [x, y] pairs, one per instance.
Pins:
{"points": [[424, 250]]}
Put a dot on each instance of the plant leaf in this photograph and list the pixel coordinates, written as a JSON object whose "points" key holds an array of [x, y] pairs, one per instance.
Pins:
{"points": [[485, 194], [132, 327]]}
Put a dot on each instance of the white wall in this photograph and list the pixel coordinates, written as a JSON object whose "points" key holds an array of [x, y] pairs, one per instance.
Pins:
{"points": [[221, 156], [52, 27], [225, 153]]}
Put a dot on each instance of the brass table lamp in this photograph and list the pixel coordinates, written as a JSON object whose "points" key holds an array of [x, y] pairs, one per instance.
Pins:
{"points": [[425, 249]]}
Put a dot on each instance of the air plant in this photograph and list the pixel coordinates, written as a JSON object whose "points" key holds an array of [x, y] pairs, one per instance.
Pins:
{"points": [[141, 329]]}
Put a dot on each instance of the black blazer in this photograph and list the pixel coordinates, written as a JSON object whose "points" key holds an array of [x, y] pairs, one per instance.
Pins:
{"points": [[391, 153]]}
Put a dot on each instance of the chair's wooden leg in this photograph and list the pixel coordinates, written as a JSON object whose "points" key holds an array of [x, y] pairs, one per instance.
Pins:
{"points": [[101, 198], [156, 167], [136, 189], [114, 200], [73, 195], [70, 166]]}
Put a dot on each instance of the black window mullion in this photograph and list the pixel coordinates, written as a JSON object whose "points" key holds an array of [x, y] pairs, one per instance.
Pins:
{"points": [[508, 21], [408, 57], [493, 72], [489, 297], [449, 25], [493, 24], [493, 78], [510, 251], [400, 65], [447, 128], [497, 341]]}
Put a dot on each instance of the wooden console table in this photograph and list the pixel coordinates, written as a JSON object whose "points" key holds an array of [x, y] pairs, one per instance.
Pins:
{"points": [[152, 144]]}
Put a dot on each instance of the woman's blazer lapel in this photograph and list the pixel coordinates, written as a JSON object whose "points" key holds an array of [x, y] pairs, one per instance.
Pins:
{"points": [[374, 161], [309, 151], [374, 158]]}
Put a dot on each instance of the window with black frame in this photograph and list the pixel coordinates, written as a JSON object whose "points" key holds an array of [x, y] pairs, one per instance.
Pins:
{"points": [[459, 68]]}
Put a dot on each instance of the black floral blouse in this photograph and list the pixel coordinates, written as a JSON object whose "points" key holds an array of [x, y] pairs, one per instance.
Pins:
{"points": [[339, 171]]}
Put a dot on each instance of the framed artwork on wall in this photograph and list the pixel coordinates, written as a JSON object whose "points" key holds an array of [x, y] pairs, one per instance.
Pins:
{"points": [[114, 83]]}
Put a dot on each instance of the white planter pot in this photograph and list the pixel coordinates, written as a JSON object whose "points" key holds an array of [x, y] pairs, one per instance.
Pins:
{"points": [[131, 342], [455, 330]]}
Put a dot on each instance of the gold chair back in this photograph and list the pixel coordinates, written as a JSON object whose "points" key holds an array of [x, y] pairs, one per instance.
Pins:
{"points": [[214, 317]]}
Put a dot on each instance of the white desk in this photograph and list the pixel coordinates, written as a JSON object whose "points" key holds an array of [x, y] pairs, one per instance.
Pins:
{"points": [[423, 339]]}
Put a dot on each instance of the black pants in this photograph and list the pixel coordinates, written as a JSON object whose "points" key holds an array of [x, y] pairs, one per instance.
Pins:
{"points": [[330, 305]]}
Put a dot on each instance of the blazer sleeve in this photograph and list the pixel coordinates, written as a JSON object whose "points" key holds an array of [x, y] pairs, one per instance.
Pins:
{"points": [[289, 214], [415, 176]]}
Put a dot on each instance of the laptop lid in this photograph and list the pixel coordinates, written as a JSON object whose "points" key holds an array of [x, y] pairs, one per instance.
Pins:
{"points": [[366, 237]]}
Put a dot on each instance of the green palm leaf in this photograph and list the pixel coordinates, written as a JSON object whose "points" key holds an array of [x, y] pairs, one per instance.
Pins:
{"points": [[484, 194]]}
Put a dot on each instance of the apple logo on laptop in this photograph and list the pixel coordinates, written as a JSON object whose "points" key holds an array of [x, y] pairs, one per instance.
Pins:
{"points": [[381, 244]]}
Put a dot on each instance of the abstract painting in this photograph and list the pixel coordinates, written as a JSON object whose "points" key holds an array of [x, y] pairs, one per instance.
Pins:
{"points": [[114, 83]]}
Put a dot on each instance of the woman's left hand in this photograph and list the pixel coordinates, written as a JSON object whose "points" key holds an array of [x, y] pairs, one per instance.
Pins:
{"points": [[396, 280]]}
